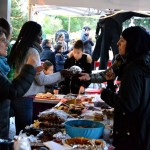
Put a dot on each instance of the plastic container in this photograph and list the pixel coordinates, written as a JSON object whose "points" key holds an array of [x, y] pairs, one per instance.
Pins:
{"points": [[84, 128], [92, 91]]}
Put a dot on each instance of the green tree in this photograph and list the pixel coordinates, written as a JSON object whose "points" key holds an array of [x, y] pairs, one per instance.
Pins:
{"points": [[77, 23], [51, 25], [64, 20], [144, 22], [18, 16]]}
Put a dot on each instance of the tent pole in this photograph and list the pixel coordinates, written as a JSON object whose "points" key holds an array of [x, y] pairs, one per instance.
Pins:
{"points": [[29, 10], [69, 24]]}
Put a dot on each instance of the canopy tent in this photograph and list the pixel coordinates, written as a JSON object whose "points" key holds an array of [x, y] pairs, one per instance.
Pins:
{"points": [[66, 11], [84, 7], [138, 5]]}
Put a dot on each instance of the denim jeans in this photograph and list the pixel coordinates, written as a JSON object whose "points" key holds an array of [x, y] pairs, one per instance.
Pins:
{"points": [[4, 118], [23, 111]]}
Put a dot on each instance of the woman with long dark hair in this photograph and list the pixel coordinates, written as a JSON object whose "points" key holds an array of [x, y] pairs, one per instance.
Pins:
{"points": [[28, 46]]}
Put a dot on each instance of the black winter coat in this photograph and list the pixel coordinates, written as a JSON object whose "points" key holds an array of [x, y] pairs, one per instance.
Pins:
{"points": [[73, 85], [8, 90], [19, 86], [132, 106]]}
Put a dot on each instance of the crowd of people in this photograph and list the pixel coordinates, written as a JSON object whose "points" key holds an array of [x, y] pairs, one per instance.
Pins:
{"points": [[36, 68], [32, 49]]}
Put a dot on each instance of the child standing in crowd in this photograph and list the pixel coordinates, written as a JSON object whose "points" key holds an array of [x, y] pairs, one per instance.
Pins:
{"points": [[61, 39], [59, 57], [48, 68], [78, 58]]}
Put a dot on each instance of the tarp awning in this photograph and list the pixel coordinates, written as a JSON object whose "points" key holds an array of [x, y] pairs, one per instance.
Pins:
{"points": [[138, 5], [66, 11]]}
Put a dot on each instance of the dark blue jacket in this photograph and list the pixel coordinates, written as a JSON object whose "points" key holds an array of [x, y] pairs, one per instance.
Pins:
{"points": [[60, 61], [87, 44], [48, 54]]}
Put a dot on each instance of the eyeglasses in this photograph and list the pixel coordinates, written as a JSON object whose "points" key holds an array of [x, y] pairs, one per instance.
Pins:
{"points": [[4, 41]]}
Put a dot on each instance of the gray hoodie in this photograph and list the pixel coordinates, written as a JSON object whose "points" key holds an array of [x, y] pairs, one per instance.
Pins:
{"points": [[38, 85]]}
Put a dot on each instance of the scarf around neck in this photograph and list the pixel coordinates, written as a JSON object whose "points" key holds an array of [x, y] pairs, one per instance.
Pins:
{"points": [[4, 67], [37, 46]]}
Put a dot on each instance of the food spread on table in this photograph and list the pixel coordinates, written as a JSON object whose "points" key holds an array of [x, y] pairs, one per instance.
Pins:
{"points": [[84, 141], [50, 125]]}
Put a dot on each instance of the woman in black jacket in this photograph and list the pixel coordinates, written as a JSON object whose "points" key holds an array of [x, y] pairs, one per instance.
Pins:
{"points": [[131, 130], [132, 103], [11, 90]]}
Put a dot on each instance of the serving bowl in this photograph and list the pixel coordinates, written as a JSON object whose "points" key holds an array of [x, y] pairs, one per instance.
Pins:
{"points": [[84, 128]]}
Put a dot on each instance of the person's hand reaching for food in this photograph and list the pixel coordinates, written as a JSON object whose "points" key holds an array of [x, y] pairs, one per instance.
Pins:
{"points": [[72, 71], [81, 90], [84, 77], [110, 75]]}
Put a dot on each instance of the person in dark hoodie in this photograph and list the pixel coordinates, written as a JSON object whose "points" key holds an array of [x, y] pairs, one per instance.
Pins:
{"points": [[87, 40], [47, 53], [59, 57], [131, 130], [12, 90]]}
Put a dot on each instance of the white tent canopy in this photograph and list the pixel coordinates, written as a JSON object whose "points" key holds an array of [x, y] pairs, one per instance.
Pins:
{"points": [[138, 5], [66, 11]]}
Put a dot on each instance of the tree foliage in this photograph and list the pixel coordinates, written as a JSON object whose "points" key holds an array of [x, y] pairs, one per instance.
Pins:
{"points": [[51, 25], [18, 16], [77, 23], [144, 22]]}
